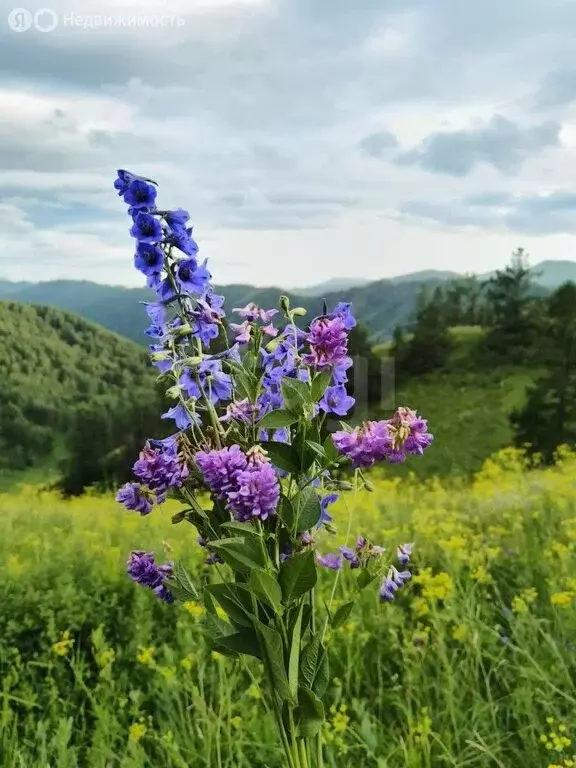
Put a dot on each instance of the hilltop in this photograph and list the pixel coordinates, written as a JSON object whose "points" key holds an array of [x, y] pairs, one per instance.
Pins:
{"points": [[379, 305], [51, 361]]}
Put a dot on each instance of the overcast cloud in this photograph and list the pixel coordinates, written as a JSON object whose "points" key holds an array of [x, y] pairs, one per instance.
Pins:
{"points": [[308, 138]]}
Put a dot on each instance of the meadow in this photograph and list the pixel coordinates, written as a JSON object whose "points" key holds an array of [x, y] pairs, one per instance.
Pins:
{"points": [[472, 666]]}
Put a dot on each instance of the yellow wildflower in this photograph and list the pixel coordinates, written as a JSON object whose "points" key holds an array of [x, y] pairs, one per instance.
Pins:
{"points": [[236, 721], [145, 655], [562, 599], [187, 662], [63, 645], [194, 608], [340, 719], [460, 632], [137, 731], [420, 607], [254, 692]]}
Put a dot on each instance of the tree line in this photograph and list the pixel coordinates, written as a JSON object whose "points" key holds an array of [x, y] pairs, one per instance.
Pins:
{"points": [[521, 325]]}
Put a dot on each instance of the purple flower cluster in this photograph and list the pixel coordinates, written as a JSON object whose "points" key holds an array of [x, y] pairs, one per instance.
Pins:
{"points": [[143, 569], [251, 313], [390, 440], [408, 434], [137, 497], [328, 342], [246, 483], [167, 254], [159, 468], [365, 444]]}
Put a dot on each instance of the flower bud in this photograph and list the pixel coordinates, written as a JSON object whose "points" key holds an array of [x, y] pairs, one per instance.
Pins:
{"points": [[299, 312], [182, 330], [284, 304], [158, 356], [173, 392], [192, 360]]}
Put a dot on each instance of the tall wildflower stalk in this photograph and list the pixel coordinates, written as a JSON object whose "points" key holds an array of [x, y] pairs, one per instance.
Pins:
{"points": [[252, 434]]}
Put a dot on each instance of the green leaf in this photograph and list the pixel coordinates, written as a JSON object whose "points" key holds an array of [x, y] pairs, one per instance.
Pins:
{"points": [[322, 677], [246, 641], [294, 658], [309, 713], [308, 509], [297, 394], [330, 448], [242, 554], [235, 600], [264, 585], [282, 455], [298, 575], [246, 382], [241, 529], [181, 584], [277, 420], [320, 384], [178, 517], [215, 628], [342, 614], [317, 449], [309, 659], [274, 652], [286, 512]]}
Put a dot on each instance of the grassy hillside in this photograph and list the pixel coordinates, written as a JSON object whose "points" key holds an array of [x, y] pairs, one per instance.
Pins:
{"points": [[468, 415], [52, 360]]}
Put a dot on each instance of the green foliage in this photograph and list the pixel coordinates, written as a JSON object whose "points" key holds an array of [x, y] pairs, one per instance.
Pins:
{"points": [[51, 363], [430, 344], [512, 311], [548, 418]]}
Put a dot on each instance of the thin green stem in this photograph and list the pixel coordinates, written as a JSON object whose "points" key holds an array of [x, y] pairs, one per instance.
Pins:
{"points": [[303, 754]]}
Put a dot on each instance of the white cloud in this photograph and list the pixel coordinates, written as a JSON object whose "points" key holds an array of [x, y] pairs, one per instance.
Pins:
{"points": [[277, 122]]}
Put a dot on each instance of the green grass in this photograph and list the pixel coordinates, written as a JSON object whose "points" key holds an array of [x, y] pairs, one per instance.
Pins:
{"points": [[468, 413], [462, 670]]}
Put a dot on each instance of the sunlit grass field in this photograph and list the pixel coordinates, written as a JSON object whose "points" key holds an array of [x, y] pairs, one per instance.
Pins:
{"points": [[473, 666]]}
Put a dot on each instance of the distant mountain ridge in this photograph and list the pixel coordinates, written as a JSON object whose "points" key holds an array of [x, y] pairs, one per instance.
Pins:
{"points": [[379, 305]]}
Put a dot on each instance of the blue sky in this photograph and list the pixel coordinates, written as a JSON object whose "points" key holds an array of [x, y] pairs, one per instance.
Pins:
{"points": [[308, 138]]}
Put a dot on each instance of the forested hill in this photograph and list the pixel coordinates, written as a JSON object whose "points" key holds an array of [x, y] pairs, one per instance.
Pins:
{"points": [[379, 306], [51, 362]]}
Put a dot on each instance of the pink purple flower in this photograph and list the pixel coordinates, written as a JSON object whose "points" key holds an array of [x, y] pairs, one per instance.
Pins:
{"points": [[220, 468], [137, 497], [328, 342], [161, 468], [258, 491], [247, 483], [365, 445], [143, 569], [408, 435]]}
